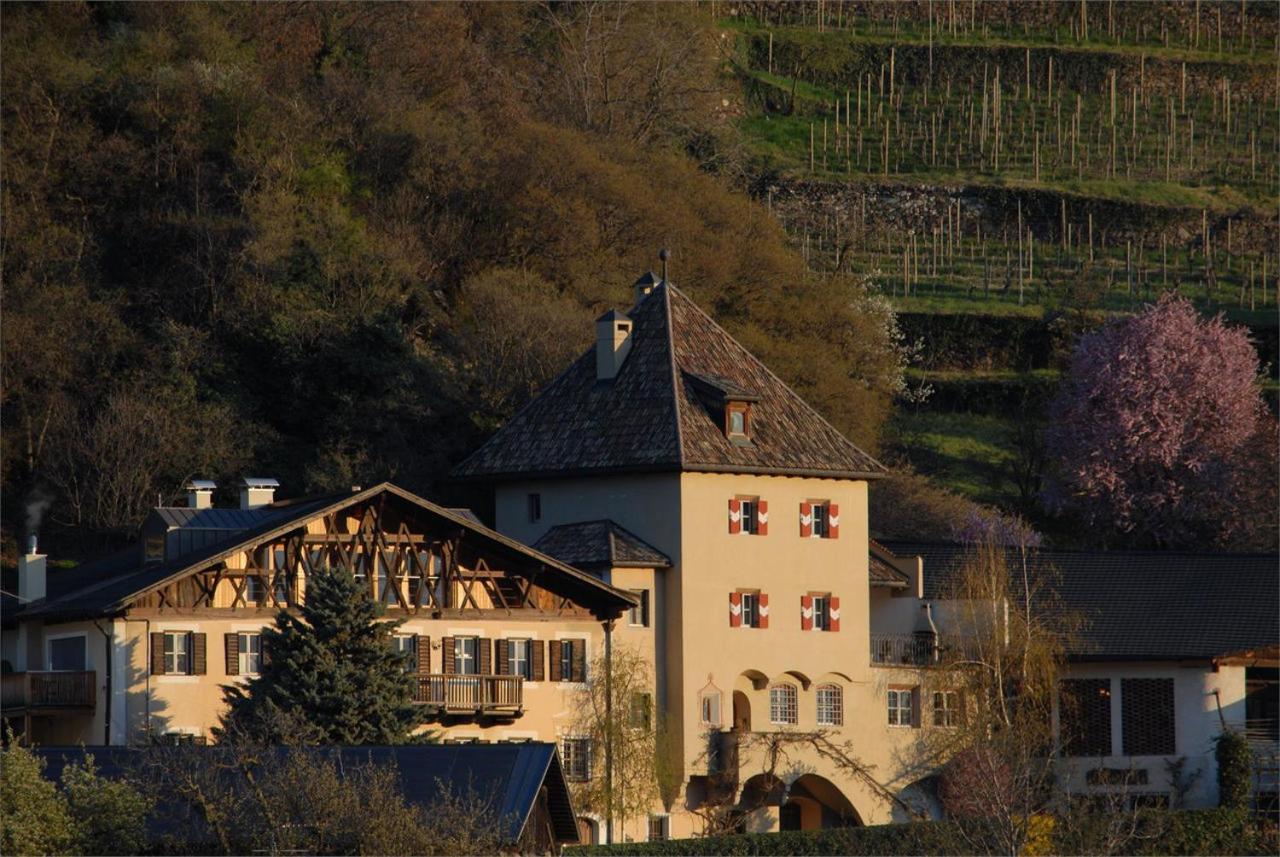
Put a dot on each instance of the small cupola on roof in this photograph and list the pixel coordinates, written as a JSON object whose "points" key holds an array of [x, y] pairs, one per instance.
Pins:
{"points": [[728, 403], [647, 283], [613, 344], [200, 493], [257, 491]]}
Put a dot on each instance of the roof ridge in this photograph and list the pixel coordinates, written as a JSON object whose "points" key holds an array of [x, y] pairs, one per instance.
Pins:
{"points": [[751, 356], [676, 385]]}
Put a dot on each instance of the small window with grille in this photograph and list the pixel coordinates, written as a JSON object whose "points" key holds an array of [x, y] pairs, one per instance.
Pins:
{"points": [[782, 704], [1084, 716], [830, 705], [576, 753]]}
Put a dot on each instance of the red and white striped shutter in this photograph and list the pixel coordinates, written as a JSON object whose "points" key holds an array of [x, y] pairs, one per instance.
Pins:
{"points": [[763, 601], [806, 520], [833, 606], [735, 609], [735, 517], [806, 612], [762, 517], [833, 521]]}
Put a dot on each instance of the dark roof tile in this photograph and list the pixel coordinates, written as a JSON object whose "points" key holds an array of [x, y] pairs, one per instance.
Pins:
{"points": [[600, 543]]}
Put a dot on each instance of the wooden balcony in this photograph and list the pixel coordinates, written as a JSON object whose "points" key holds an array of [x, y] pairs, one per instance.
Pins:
{"points": [[34, 691], [471, 694]]}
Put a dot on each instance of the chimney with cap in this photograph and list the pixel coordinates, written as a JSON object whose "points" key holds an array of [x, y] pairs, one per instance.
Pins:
{"points": [[200, 493], [256, 492], [613, 343], [31, 574]]}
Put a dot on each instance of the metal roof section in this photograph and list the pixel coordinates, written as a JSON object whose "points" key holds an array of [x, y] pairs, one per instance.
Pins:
{"points": [[200, 485], [259, 482]]}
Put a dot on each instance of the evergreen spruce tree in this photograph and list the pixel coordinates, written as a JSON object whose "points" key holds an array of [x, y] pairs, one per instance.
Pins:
{"points": [[328, 676]]}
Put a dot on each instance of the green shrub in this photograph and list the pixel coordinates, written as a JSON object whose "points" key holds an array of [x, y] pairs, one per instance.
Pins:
{"points": [[1234, 763]]}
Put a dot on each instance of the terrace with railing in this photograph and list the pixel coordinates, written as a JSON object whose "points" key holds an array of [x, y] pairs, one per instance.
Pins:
{"points": [[48, 690], [919, 650], [471, 694]]}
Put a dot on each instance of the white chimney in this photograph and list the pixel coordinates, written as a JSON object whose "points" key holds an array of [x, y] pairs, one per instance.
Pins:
{"points": [[200, 494], [256, 492], [613, 343], [31, 574]]}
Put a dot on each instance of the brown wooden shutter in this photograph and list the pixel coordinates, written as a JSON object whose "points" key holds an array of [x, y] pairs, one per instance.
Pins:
{"points": [[763, 601], [553, 655], [423, 644], [199, 654], [735, 609], [449, 656], [233, 653], [578, 652], [484, 655], [806, 520], [502, 656], [806, 612], [834, 609], [735, 517], [833, 521], [537, 651], [762, 517], [157, 653]]}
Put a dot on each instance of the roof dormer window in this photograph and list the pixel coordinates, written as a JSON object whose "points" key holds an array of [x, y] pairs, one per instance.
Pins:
{"points": [[738, 421]]}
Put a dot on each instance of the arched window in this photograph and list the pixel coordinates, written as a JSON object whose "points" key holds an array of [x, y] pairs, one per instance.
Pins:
{"points": [[782, 704], [830, 705]]}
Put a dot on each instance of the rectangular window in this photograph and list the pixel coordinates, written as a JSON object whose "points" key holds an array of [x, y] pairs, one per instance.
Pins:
{"points": [[901, 710], [946, 708], [659, 828], [253, 590], [566, 661], [535, 508], [750, 610], [820, 529], [518, 660], [638, 617], [1147, 718], [67, 654], [822, 612], [709, 713], [782, 704], [177, 653], [750, 516], [407, 645], [640, 713], [576, 753], [1084, 716], [464, 656], [249, 648]]}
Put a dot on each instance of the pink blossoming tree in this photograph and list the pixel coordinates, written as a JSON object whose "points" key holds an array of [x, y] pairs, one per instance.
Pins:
{"points": [[1160, 436]]}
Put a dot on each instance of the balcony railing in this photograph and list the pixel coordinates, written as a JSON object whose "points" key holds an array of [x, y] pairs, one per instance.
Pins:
{"points": [[910, 650], [499, 694], [31, 690]]}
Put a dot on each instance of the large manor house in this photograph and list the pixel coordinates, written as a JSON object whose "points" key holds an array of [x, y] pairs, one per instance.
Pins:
{"points": [[666, 494]]}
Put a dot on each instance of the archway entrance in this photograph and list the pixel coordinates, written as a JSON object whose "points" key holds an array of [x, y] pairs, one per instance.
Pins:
{"points": [[819, 803], [741, 712]]}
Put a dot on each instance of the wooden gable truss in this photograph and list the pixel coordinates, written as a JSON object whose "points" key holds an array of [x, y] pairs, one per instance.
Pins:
{"points": [[411, 560]]}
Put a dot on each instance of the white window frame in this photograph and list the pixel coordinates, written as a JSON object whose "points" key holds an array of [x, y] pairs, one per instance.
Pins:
{"points": [[460, 654], [48, 649], [896, 707], [819, 511], [709, 709], [830, 711], [526, 661], [750, 609], [172, 652], [749, 508], [822, 612], [579, 757], [244, 657], [950, 708], [407, 644], [784, 709]]}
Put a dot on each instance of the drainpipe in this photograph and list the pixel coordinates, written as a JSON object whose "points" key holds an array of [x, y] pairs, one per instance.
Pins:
{"points": [[110, 644], [608, 734]]}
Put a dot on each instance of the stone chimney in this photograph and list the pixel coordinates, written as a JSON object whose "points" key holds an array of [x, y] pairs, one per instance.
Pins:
{"points": [[200, 493], [256, 491], [613, 344], [31, 574]]}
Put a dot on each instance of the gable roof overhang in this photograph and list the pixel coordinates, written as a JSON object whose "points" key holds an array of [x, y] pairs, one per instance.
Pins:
{"points": [[113, 596]]}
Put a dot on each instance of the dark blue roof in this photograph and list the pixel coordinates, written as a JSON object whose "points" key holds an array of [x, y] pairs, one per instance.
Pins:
{"points": [[509, 775]]}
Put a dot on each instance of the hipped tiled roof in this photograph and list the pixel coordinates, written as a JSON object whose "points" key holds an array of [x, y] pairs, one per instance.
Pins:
{"points": [[1141, 605], [591, 544], [650, 417]]}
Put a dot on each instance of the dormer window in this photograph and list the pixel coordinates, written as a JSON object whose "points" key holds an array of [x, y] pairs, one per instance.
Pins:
{"points": [[738, 425]]}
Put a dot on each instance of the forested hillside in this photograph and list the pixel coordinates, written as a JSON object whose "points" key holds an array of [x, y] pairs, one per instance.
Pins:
{"points": [[336, 243]]}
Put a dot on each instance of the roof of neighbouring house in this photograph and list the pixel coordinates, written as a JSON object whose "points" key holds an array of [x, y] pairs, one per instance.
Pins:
{"points": [[107, 586], [652, 418], [1141, 605], [589, 544], [509, 774], [880, 569]]}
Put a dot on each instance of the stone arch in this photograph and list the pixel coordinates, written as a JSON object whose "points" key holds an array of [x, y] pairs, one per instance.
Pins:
{"points": [[804, 680], [819, 803], [741, 712]]}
